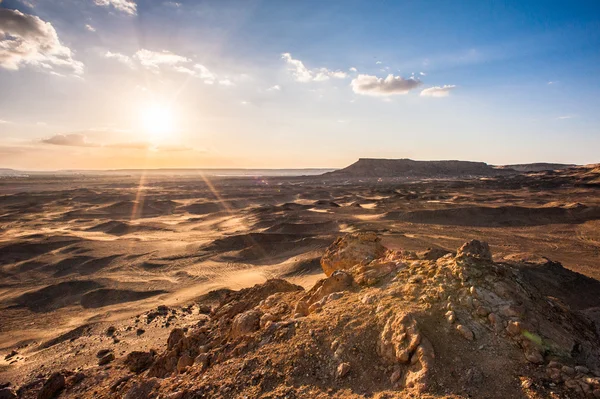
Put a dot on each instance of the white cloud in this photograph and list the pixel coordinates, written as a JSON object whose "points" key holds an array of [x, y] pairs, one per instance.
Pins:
{"points": [[552, 82], [90, 28], [27, 39], [72, 140], [438, 91], [122, 58], [391, 85], [225, 82], [204, 73], [153, 60], [422, 74], [378, 63], [567, 117], [303, 74], [352, 69], [274, 88], [126, 6], [172, 4]]}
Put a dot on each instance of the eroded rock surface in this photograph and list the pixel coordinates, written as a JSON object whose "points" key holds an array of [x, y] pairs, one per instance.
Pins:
{"points": [[382, 324]]}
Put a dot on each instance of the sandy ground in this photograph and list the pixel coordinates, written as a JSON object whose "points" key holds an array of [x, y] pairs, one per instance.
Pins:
{"points": [[81, 254]]}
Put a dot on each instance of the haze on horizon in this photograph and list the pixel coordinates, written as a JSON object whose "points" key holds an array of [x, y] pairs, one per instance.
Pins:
{"points": [[107, 84]]}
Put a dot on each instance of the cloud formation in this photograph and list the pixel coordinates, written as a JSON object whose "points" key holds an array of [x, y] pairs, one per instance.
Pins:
{"points": [[122, 58], [28, 40], [373, 86], [126, 6], [438, 91], [71, 140], [303, 74], [153, 60]]}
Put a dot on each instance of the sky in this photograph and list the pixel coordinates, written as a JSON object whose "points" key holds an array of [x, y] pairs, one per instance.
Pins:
{"points": [[108, 84]]}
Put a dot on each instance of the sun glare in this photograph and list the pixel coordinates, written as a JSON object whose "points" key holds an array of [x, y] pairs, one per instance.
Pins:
{"points": [[157, 122]]}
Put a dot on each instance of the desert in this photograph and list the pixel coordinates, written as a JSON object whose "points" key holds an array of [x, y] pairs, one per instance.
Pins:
{"points": [[96, 270]]}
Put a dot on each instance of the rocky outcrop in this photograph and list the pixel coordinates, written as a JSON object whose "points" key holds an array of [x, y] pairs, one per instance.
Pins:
{"points": [[383, 323]]}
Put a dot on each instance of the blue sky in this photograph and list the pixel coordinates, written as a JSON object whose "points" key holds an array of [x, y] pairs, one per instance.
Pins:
{"points": [[120, 83]]}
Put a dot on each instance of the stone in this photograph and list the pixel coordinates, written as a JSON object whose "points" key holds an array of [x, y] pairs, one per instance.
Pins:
{"points": [[266, 318], [450, 316], [110, 331], [336, 282], [465, 332], [138, 361], [109, 357], [301, 308], [369, 299], [245, 323], [475, 249], [184, 362], [175, 336], [54, 384], [568, 370], [142, 389], [343, 370], [534, 355], [350, 250], [513, 328]]}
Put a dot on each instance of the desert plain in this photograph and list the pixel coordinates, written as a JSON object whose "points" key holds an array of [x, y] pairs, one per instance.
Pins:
{"points": [[116, 262]]}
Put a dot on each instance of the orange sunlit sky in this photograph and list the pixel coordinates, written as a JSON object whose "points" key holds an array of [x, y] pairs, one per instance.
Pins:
{"points": [[105, 84]]}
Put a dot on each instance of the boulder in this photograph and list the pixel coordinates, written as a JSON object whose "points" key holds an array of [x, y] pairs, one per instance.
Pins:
{"points": [[54, 384], [475, 249], [351, 250], [245, 323], [138, 361]]}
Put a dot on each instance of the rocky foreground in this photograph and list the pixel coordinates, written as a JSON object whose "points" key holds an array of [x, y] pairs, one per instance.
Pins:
{"points": [[383, 324]]}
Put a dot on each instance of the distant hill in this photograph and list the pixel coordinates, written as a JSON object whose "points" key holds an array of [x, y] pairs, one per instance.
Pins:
{"points": [[537, 167], [369, 167]]}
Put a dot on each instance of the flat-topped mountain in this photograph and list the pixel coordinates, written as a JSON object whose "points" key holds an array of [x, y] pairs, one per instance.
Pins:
{"points": [[538, 166], [370, 167]]}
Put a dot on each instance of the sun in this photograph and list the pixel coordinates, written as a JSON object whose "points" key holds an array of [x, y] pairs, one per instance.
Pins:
{"points": [[157, 122]]}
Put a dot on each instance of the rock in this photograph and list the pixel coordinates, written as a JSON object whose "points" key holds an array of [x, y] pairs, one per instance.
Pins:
{"points": [[138, 361], [369, 299], [245, 323], [7, 393], [395, 377], [315, 307], [202, 359], [10, 355], [54, 384], [568, 370], [140, 331], [343, 369], [142, 389], [184, 362], [109, 357], [175, 336], [103, 352], [582, 369], [432, 254], [351, 250], [336, 282], [534, 355], [475, 249], [465, 332], [266, 318], [450, 316], [110, 331], [513, 328], [75, 379], [399, 338], [301, 308]]}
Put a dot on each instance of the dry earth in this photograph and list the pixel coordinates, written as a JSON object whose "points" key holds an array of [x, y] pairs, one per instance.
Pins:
{"points": [[113, 264]]}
